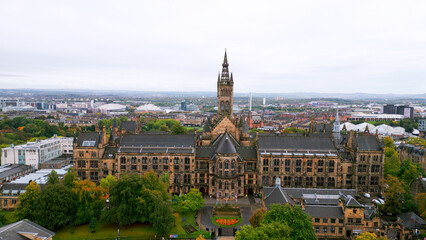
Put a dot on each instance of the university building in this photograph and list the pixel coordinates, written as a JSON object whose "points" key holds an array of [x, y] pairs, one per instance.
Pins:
{"points": [[227, 161]]}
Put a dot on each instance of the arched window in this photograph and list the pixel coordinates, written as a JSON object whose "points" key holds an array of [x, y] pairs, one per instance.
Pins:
{"points": [[227, 106], [220, 164], [220, 184], [226, 164], [213, 168], [233, 164], [221, 106], [226, 185]]}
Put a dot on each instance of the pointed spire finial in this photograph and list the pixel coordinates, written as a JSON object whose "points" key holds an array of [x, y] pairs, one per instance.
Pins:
{"points": [[225, 60]]}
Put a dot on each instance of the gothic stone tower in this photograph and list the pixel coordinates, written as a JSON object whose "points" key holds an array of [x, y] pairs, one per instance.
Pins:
{"points": [[225, 90]]}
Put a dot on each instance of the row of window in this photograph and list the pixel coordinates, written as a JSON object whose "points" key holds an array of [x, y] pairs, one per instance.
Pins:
{"points": [[154, 160], [363, 158], [328, 229], [298, 162], [301, 181], [325, 220], [298, 169]]}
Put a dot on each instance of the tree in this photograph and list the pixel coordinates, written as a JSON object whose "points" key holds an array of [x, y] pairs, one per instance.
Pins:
{"points": [[153, 190], [389, 142], [394, 195], [124, 203], [53, 178], [421, 201], [190, 202], [369, 236], [107, 182], [70, 178], [274, 230], [93, 223], [299, 222], [25, 208], [3, 219], [56, 207], [392, 162], [89, 201], [162, 217], [257, 217], [200, 237], [178, 129], [409, 171]]}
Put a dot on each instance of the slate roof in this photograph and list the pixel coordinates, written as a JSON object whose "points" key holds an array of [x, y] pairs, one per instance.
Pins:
{"points": [[12, 169], [129, 126], [110, 150], [89, 136], [226, 146], [367, 143], [275, 195], [323, 128], [245, 126], [369, 212], [412, 221], [160, 140], [15, 230], [204, 151], [352, 202], [316, 211], [247, 152], [280, 142]]}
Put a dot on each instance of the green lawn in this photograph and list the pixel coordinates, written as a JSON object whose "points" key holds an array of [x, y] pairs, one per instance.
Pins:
{"points": [[134, 231]]}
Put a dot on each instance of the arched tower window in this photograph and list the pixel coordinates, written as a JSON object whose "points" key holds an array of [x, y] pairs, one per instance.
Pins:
{"points": [[222, 107], [233, 164], [226, 164]]}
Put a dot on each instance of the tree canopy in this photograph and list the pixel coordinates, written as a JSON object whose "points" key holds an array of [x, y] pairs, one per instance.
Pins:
{"points": [[281, 222], [190, 202]]}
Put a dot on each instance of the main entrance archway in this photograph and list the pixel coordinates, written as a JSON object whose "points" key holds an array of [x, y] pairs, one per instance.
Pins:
{"points": [[250, 192]]}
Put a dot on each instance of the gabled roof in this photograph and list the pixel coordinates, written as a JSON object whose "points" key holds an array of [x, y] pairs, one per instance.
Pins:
{"points": [[18, 230], [352, 202], [412, 220], [367, 143], [276, 195], [88, 139], [129, 126], [316, 211]]}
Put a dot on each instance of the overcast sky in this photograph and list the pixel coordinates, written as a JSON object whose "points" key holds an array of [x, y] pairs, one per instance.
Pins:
{"points": [[273, 46]]}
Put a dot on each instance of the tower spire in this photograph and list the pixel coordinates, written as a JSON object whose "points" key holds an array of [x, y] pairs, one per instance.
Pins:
{"points": [[336, 126], [225, 60]]}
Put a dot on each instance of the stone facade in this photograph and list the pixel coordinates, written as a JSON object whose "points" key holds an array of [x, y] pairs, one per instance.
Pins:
{"points": [[226, 161]]}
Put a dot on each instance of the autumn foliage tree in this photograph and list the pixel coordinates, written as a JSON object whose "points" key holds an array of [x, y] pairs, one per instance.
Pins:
{"points": [[257, 217], [369, 236]]}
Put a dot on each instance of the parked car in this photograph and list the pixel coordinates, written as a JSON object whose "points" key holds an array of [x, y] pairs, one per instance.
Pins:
{"points": [[376, 201], [367, 195], [381, 201]]}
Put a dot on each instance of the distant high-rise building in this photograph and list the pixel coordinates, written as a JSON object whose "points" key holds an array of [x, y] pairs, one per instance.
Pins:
{"points": [[183, 106]]}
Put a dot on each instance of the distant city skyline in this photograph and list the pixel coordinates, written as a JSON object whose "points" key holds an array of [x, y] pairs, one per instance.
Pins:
{"points": [[273, 47]]}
